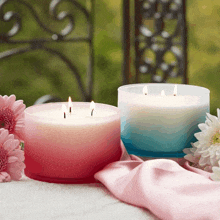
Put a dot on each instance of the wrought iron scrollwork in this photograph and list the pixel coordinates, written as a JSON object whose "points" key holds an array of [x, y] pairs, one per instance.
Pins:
{"points": [[153, 40], [40, 43], [159, 41]]}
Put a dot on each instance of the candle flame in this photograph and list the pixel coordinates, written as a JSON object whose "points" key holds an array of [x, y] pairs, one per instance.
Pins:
{"points": [[70, 104], [175, 90], [163, 93], [92, 107], [145, 90]]}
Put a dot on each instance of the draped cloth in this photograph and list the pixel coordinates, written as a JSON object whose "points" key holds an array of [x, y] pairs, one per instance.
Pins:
{"points": [[170, 191]]}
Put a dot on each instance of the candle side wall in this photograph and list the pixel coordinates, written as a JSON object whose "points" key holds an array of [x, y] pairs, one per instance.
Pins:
{"points": [[153, 125], [73, 151]]}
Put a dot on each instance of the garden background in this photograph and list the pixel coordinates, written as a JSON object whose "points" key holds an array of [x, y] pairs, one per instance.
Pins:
{"points": [[37, 73]]}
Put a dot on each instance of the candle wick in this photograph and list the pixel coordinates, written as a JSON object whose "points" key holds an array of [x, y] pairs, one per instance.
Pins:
{"points": [[64, 114], [145, 93], [92, 112], [174, 94], [70, 109]]}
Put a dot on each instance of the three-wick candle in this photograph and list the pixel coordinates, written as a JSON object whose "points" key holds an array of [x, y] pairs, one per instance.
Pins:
{"points": [[160, 120], [67, 147]]}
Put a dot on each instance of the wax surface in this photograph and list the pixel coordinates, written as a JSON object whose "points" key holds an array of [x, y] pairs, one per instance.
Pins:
{"points": [[71, 149], [161, 126]]}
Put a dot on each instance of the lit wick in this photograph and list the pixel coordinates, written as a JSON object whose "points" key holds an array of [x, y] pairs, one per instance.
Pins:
{"points": [[145, 90], [70, 104], [175, 91], [64, 110], [92, 107]]}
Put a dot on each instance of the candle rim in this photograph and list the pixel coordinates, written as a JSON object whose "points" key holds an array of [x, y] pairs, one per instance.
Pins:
{"points": [[29, 112], [125, 88]]}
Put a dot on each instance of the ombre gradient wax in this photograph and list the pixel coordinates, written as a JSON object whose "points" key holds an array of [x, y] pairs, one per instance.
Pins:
{"points": [[154, 125], [71, 149]]}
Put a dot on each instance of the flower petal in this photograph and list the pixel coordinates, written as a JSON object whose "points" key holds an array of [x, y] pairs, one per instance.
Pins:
{"points": [[19, 154], [3, 135], [203, 161], [190, 158], [20, 124], [2, 102], [205, 154], [208, 122], [199, 136], [20, 111], [5, 97], [216, 173], [10, 101], [4, 177], [17, 105], [10, 144], [195, 144], [203, 126], [20, 116], [12, 159], [212, 117], [186, 150], [218, 113], [15, 170], [214, 161]]}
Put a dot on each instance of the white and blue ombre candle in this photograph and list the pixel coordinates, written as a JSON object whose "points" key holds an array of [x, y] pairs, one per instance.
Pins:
{"points": [[160, 120]]}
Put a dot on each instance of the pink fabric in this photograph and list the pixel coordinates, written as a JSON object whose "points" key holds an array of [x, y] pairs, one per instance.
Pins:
{"points": [[167, 189]]}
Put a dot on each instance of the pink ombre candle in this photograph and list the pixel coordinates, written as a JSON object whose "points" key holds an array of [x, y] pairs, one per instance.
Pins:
{"points": [[70, 149]]}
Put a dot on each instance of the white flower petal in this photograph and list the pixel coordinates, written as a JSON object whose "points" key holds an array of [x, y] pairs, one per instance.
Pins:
{"points": [[203, 161], [215, 177], [212, 156], [214, 161], [204, 146], [199, 136], [216, 173], [193, 150], [202, 149], [215, 122], [190, 158], [205, 154], [186, 150], [208, 122], [212, 117], [203, 126], [195, 144], [218, 113]]}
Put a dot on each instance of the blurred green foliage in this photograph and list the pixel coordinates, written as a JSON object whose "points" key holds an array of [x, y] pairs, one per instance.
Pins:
{"points": [[37, 73]]}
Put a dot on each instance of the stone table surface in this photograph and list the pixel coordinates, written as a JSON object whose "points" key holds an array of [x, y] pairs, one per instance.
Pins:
{"points": [[29, 199]]}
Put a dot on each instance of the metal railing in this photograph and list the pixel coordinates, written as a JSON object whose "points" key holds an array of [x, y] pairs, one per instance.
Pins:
{"points": [[58, 37], [152, 19]]}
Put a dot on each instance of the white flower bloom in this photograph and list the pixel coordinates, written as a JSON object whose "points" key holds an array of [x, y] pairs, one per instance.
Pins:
{"points": [[205, 153], [216, 172]]}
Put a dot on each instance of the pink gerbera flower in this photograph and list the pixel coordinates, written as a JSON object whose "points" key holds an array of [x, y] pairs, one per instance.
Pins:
{"points": [[12, 115], [11, 157]]}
